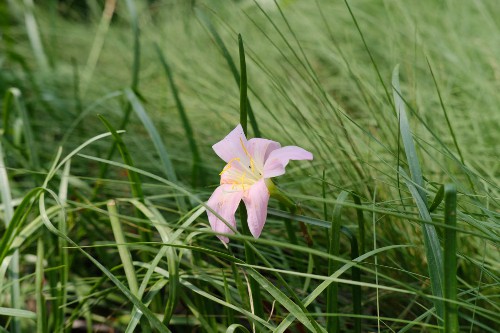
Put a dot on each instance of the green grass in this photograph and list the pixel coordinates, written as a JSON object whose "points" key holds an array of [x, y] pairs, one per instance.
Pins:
{"points": [[108, 116]]}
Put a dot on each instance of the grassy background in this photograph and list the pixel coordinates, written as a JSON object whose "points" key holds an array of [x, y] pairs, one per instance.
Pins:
{"points": [[320, 75]]}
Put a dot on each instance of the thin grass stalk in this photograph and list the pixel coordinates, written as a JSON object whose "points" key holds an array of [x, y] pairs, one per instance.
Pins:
{"points": [[197, 175], [41, 308], [249, 254], [361, 222], [356, 288], [137, 46], [450, 260], [34, 35], [332, 306], [416, 187], [6, 196], [232, 66], [63, 250]]}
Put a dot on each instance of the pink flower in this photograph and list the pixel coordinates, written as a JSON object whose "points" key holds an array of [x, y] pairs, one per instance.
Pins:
{"points": [[250, 164]]}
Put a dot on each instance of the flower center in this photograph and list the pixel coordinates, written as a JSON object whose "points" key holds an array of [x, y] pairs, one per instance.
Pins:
{"points": [[241, 172]]}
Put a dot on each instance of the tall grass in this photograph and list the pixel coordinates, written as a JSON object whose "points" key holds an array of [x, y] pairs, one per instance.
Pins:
{"points": [[108, 117]]}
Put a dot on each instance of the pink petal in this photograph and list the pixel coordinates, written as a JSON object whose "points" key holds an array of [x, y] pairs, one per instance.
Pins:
{"points": [[233, 145], [256, 199], [224, 201], [278, 159], [260, 149]]}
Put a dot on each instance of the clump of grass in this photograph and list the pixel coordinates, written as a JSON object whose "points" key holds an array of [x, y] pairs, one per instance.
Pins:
{"points": [[396, 226]]}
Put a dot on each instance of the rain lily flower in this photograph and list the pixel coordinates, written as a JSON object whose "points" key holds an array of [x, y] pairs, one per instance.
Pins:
{"points": [[250, 164]]}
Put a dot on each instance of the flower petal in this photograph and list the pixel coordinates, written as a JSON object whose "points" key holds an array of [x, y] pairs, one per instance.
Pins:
{"points": [[224, 201], [278, 159], [232, 146], [260, 149], [256, 199]]}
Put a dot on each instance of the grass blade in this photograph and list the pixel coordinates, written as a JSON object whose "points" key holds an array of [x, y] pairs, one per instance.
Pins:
{"points": [[409, 145], [232, 66], [6, 196], [198, 174], [432, 248], [243, 86], [41, 309], [125, 255], [332, 306], [168, 168], [450, 260]]}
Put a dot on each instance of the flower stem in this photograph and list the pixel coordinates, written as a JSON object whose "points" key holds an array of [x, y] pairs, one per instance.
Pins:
{"points": [[250, 259]]}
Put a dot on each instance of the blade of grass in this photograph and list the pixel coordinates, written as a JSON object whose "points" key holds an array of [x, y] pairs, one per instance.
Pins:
{"points": [[198, 174], [406, 135], [280, 297], [31, 145], [63, 250], [332, 306], [161, 225], [450, 260], [249, 254], [41, 308], [157, 141], [416, 186], [137, 46], [6, 196], [135, 181], [17, 313], [125, 255], [232, 66], [155, 322], [432, 248], [34, 35]]}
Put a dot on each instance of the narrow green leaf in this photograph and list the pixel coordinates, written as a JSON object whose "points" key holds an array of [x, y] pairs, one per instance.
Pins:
{"points": [[30, 143], [450, 260], [155, 322], [243, 85], [17, 313], [332, 306], [232, 66], [157, 141], [409, 145], [280, 297], [137, 46], [11, 226], [125, 255], [432, 247], [198, 174], [437, 199], [135, 181], [234, 327], [41, 305]]}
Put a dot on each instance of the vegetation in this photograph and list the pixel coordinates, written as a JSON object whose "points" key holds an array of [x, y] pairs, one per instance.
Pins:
{"points": [[110, 109]]}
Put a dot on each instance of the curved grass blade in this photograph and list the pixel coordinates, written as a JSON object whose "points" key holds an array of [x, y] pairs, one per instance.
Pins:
{"points": [[280, 297], [409, 145], [154, 321], [135, 181], [157, 141], [432, 248]]}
